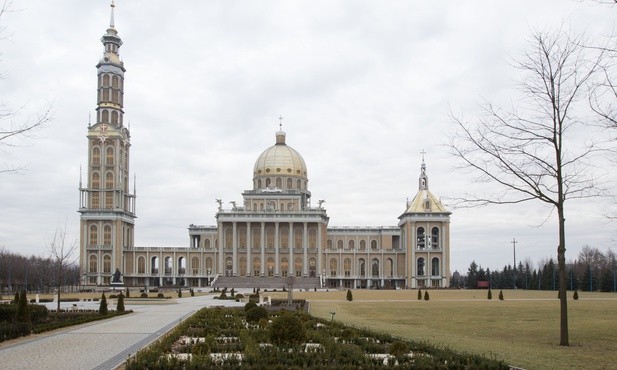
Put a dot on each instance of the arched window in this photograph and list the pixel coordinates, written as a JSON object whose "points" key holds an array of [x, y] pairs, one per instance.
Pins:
{"points": [[141, 265], [374, 244], [268, 182], [312, 267], [96, 180], [312, 237], [375, 267], [114, 82], [207, 243], [362, 245], [105, 116], [154, 265], [298, 267], [181, 265], [435, 266], [347, 267], [435, 237], [270, 237], [114, 114], [95, 200], [270, 267], [109, 180], [256, 238], [93, 263], [298, 237], [290, 206], [421, 238], [96, 156], [289, 183], [109, 200], [105, 80], [107, 235], [389, 267], [109, 156], [208, 265], [258, 183], [229, 267], [256, 266], [242, 266], [242, 237], [107, 263], [362, 265], [279, 182], [299, 185], [352, 245], [284, 267], [339, 244], [333, 266], [94, 235], [420, 267], [195, 265], [228, 237]]}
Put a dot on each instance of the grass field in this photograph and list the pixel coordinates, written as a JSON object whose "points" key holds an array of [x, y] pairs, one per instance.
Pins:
{"points": [[522, 330]]}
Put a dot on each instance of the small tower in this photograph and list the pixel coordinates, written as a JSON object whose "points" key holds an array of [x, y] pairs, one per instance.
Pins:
{"points": [[425, 232], [106, 205]]}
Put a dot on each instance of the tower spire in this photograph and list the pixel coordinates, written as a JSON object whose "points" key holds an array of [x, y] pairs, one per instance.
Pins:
{"points": [[423, 181], [111, 20]]}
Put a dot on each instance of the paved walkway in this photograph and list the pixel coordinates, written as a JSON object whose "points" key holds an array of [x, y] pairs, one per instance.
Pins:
{"points": [[103, 344]]}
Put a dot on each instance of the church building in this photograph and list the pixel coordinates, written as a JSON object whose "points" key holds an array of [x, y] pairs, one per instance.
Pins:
{"points": [[275, 234]]}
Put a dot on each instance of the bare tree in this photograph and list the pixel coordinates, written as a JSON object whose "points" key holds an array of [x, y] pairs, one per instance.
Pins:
{"points": [[541, 148], [62, 257], [13, 127]]}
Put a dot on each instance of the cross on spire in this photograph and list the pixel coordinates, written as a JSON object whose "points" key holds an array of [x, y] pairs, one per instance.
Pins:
{"points": [[281, 123], [111, 21], [423, 152]]}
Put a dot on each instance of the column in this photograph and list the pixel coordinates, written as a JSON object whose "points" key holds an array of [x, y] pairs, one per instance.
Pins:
{"points": [[234, 245], [290, 241], [276, 249], [220, 266], [305, 246], [263, 249], [249, 263], [319, 251]]}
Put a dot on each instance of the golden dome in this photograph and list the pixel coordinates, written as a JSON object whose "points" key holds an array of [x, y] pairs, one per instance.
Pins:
{"points": [[280, 161]]}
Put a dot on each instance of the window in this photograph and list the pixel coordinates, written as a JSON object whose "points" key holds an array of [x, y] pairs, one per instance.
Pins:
{"points": [[362, 265], [289, 183], [421, 238], [351, 244], [375, 267], [207, 243], [347, 267], [181, 265], [107, 263], [114, 114], [228, 237], [298, 267], [242, 266], [420, 267], [96, 180], [96, 156], [208, 265], [362, 245], [107, 235], [256, 266], [105, 80], [435, 238], [109, 156], [284, 237], [268, 182], [329, 243], [114, 82], [94, 235], [109, 201], [333, 267], [339, 244], [299, 185], [109, 180], [168, 265], [435, 266], [105, 116], [95, 200], [270, 267], [93, 263], [141, 265], [284, 267], [374, 244], [154, 265], [298, 237], [259, 184], [279, 182]]}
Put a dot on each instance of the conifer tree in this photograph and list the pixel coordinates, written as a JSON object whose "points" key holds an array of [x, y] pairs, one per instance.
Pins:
{"points": [[128, 294], [489, 295], [419, 294], [179, 293], [120, 305], [103, 305], [426, 297], [575, 296], [22, 313], [349, 295], [501, 295]]}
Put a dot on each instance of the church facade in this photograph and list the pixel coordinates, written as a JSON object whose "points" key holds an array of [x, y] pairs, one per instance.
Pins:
{"points": [[275, 233]]}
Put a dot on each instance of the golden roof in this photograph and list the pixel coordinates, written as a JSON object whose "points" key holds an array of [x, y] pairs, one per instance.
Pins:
{"points": [[280, 160]]}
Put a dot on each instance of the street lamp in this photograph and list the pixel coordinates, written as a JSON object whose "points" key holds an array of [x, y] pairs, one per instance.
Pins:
{"points": [[514, 267]]}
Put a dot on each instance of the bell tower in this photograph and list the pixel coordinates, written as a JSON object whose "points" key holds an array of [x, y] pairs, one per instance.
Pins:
{"points": [[107, 207]]}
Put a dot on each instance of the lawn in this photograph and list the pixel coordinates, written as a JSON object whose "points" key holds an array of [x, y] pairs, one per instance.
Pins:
{"points": [[522, 330]]}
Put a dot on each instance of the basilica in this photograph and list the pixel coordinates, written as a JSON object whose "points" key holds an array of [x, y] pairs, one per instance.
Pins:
{"points": [[275, 234]]}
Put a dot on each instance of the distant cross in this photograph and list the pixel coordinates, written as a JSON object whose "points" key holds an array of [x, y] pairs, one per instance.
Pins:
{"points": [[514, 268], [103, 133], [281, 123], [423, 153]]}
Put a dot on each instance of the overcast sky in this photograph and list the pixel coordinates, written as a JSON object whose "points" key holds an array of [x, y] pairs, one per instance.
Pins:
{"points": [[363, 87]]}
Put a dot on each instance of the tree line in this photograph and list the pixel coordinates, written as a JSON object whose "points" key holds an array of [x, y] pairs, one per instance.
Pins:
{"points": [[593, 270], [34, 273]]}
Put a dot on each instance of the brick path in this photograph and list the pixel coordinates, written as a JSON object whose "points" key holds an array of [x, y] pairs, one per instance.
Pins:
{"points": [[103, 344]]}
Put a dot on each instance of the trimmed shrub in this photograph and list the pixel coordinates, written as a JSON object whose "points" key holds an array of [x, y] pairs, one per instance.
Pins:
{"points": [[192, 292], [349, 295], [103, 305], [38, 313], [179, 293], [575, 295], [398, 349], [256, 313], [249, 305], [287, 330], [128, 294], [239, 296], [419, 294], [160, 295], [489, 295], [144, 295], [426, 297], [120, 305], [22, 314], [223, 295], [501, 295]]}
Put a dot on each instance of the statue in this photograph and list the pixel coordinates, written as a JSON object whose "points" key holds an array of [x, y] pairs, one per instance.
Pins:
{"points": [[321, 201], [234, 207], [117, 277], [220, 202]]}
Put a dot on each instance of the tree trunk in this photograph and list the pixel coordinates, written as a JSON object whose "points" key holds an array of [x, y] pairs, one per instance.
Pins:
{"points": [[561, 263]]}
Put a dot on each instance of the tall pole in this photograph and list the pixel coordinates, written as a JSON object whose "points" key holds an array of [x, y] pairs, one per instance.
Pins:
{"points": [[514, 267]]}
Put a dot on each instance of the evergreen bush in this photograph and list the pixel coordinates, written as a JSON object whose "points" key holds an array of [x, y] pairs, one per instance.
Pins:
{"points": [[575, 296], [501, 295], [179, 293], [103, 305], [256, 313], [22, 314], [287, 330], [249, 305], [349, 295], [419, 294], [192, 292], [128, 294], [426, 297], [120, 304], [489, 295], [160, 295], [144, 295], [398, 349]]}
